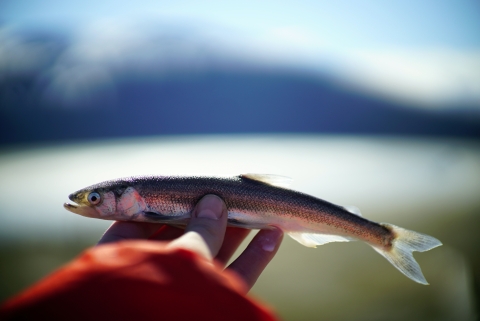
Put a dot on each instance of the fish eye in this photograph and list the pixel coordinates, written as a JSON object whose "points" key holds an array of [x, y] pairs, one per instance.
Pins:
{"points": [[94, 198]]}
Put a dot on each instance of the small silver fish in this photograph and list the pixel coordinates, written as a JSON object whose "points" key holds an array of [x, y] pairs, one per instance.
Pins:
{"points": [[253, 201]]}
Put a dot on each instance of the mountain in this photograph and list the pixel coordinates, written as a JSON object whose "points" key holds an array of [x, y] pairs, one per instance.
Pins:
{"points": [[216, 99]]}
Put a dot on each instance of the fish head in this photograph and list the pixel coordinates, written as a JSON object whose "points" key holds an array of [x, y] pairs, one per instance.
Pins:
{"points": [[94, 203], [110, 200]]}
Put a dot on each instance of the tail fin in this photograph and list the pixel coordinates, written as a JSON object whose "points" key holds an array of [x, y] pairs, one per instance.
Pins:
{"points": [[400, 254]]}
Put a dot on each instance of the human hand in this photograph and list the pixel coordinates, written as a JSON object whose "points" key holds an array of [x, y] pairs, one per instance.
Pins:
{"points": [[207, 235]]}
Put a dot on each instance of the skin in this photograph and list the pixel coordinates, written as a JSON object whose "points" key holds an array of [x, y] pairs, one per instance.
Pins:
{"points": [[207, 235]]}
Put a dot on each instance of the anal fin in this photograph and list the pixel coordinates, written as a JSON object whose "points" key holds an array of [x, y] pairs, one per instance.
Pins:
{"points": [[313, 239]]}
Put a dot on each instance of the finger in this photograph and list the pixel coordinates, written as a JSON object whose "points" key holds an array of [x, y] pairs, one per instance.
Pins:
{"points": [[205, 232], [120, 230], [233, 238], [167, 233], [261, 250]]}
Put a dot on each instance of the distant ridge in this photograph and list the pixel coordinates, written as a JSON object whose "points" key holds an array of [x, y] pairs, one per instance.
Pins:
{"points": [[219, 102]]}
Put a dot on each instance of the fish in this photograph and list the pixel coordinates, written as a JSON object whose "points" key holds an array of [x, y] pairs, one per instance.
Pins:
{"points": [[253, 201]]}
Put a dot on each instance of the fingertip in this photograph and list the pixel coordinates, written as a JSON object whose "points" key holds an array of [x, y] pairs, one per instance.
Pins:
{"points": [[211, 207], [269, 240], [205, 232]]}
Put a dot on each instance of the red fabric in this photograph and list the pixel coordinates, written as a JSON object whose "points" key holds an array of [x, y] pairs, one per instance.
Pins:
{"points": [[136, 280]]}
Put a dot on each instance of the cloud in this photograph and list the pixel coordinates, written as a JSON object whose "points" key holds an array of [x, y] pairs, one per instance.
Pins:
{"points": [[433, 78], [430, 78]]}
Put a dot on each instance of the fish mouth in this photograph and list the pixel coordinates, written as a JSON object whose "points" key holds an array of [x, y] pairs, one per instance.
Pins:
{"points": [[70, 207], [82, 210], [77, 206]]}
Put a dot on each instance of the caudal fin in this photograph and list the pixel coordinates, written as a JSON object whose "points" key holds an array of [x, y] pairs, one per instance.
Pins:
{"points": [[400, 254]]}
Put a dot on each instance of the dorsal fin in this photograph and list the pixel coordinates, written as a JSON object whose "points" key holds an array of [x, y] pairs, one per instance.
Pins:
{"points": [[352, 209], [274, 180]]}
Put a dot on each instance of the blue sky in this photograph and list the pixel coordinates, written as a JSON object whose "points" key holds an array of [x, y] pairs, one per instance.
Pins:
{"points": [[345, 24], [425, 52]]}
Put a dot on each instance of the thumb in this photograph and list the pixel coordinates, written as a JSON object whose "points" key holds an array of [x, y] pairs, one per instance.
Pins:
{"points": [[205, 232]]}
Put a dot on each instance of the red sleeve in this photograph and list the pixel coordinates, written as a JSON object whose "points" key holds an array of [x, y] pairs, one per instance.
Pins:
{"points": [[136, 280]]}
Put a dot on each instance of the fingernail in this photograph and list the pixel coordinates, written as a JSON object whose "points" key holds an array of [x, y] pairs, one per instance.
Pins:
{"points": [[210, 206], [270, 239]]}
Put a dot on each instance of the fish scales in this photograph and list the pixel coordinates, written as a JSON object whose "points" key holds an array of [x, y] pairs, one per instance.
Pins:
{"points": [[253, 201], [258, 198]]}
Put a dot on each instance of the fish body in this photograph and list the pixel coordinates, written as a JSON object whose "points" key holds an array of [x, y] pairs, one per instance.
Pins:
{"points": [[255, 202]]}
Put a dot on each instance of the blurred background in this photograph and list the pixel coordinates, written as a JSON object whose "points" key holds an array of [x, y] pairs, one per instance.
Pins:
{"points": [[374, 104]]}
